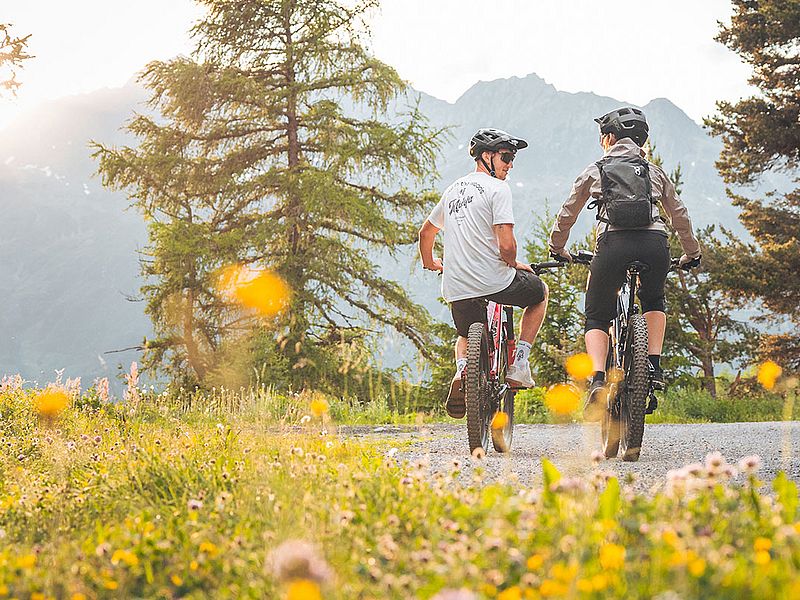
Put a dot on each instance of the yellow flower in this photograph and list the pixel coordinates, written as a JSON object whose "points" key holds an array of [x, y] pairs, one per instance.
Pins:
{"points": [[534, 562], [110, 584], [512, 593], [762, 544], [670, 537], [584, 585], [552, 588], [124, 556], [599, 582], [564, 573], [579, 366], [612, 556], [208, 548], [303, 589], [51, 402], [3, 590], [37, 596], [697, 567], [78, 596], [176, 580], [319, 406], [499, 420], [768, 373], [762, 557], [260, 290], [193, 566], [615, 375], [562, 398], [26, 562]]}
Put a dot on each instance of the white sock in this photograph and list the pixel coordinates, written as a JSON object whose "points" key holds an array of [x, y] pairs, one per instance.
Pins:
{"points": [[523, 352], [460, 364]]}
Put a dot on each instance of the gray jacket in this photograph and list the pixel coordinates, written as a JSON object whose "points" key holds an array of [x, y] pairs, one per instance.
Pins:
{"points": [[587, 185]]}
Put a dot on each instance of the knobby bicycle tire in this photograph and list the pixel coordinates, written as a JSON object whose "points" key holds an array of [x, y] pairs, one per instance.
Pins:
{"points": [[475, 393], [637, 387], [502, 437]]}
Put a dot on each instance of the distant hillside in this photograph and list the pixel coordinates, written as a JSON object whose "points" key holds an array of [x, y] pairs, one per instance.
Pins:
{"points": [[69, 248]]}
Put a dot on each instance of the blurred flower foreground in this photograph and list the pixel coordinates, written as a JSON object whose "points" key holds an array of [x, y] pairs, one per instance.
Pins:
{"points": [[147, 497]]}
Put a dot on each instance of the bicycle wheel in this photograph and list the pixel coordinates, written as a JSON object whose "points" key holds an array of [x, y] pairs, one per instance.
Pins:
{"points": [[637, 385], [476, 393], [609, 426], [501, 438]]}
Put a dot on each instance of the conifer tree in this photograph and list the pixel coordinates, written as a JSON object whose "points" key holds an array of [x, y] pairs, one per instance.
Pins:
{"points": [[278, 143], [761, 134]]}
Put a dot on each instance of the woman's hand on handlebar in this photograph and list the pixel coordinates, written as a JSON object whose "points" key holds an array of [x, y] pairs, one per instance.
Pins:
{"points": [[562, 255], [686, 263]]}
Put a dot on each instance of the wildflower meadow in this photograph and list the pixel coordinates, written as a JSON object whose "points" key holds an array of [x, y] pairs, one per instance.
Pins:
{"points": [[139, 498]]}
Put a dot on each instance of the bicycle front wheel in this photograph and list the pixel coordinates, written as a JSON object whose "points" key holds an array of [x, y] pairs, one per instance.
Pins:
{"points": [[476, 392], [637, 386]]}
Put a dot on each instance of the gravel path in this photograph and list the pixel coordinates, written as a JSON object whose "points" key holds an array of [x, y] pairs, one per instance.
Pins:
{"points": [[570, 447]]}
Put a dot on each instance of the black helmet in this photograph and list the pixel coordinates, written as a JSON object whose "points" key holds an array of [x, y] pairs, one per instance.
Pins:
{"points": [[625, 122], [492, 140]]}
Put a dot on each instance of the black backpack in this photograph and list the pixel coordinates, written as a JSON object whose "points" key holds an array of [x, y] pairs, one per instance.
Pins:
{"points": [[626, 192]]}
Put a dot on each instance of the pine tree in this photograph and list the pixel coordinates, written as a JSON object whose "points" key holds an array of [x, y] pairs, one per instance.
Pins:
{"points": [[561, 334], [761, 134], [701, 330], [12, 55], [254, 157]]}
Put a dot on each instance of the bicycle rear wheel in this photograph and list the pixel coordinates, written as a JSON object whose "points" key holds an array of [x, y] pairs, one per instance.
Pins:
{"points": [[501, 438], [637, 386], [476, 393]]}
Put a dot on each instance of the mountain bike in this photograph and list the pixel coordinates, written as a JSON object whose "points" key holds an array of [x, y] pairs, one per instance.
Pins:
{"points": [[631, 394], [486, 392]]}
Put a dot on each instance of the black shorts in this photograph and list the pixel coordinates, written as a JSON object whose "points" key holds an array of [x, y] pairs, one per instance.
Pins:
{"points": [[615, 249], [525, 290]]}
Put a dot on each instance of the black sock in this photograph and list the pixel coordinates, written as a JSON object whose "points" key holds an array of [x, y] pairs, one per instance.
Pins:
{"points": [[599, 376], [655, 360]]}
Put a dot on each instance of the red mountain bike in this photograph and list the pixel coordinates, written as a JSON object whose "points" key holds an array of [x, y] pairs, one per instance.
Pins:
{"points": [[486, 391]]}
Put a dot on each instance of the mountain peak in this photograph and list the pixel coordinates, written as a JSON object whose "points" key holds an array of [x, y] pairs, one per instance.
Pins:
{"points": [[529, 85]]}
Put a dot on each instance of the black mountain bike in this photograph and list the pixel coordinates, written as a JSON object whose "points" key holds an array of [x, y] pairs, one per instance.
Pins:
{"points": [[631, 394], [486, 391]]}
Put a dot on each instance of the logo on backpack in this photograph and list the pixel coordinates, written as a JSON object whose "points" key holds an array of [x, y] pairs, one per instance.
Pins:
{"points": [[626, 195]]}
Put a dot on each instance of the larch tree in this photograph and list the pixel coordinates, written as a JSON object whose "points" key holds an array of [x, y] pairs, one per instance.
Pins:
{"points": [[13, 53], [280, 143], [761, 135]]}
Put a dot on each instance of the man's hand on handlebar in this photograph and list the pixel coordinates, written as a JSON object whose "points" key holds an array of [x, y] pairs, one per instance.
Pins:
{"points": [[436, 265], [523, 267]]}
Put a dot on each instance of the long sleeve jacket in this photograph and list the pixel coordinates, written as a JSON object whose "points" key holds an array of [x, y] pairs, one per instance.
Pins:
{"points": [[587, 185]]}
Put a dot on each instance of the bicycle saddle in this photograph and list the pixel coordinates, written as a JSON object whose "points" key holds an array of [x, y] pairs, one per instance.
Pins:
{"points": [[638, 266]]}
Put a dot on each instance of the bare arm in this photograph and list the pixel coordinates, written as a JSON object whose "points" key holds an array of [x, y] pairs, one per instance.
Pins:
{"points": [[508, 246], [427, 235]]}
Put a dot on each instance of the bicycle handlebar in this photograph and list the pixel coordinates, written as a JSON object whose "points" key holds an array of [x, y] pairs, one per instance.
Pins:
{"points": [[584, 257]]}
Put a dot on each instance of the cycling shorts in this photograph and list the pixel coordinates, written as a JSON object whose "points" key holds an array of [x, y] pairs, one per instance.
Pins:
{"points": [[615, 250], [525, 290]]}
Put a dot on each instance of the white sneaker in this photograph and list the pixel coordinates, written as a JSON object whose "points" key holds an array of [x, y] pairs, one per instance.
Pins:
{"points": [[519, 375]]}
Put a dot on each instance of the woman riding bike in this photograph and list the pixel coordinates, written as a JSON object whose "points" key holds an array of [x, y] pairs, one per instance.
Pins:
{"points": [[625, 188]]}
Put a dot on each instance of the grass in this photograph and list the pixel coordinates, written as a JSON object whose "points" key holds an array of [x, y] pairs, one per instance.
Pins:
{"points": [[158, 499]]}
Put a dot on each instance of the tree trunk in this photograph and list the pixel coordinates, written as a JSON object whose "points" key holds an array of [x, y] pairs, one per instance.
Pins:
{"points": [[709, 382], [192, 350]]}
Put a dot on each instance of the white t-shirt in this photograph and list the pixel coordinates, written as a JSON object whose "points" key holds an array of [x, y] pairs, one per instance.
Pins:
{"points": [[466, 213]]}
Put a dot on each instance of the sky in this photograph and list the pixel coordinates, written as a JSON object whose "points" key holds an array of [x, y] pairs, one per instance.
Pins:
{"points": [[628, 49]]}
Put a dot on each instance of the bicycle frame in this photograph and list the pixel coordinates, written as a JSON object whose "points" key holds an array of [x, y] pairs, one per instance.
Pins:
{"points": [[626, 308]]}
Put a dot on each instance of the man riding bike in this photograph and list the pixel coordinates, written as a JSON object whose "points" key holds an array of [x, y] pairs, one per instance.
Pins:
{"points": [[480, 251], [626, 188]]}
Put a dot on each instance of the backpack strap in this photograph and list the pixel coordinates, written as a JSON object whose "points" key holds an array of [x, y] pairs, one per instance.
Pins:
{"points": [[597, 203]]}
